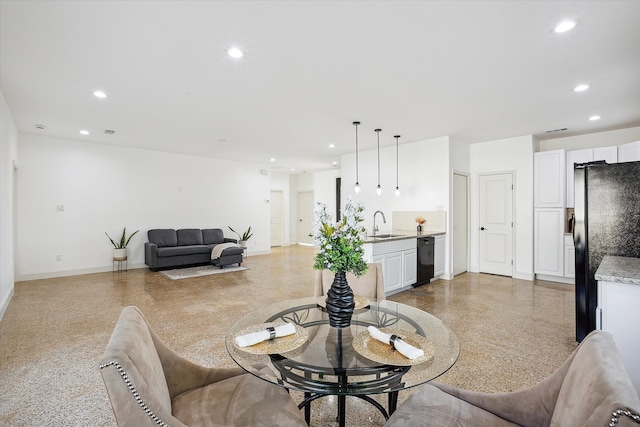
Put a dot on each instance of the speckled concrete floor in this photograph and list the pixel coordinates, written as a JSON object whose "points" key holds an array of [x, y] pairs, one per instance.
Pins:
{"points": [[512, 333]]}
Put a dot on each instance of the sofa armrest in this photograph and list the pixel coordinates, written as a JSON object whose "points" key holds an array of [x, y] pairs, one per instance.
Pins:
{"points": [[229, 240], [151, 255]]}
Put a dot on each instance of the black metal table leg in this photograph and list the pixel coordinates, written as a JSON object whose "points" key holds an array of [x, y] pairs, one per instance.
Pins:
{"points": [[342, 404], [393, 402]]}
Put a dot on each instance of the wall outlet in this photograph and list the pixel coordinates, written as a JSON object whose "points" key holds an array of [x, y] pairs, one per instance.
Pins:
{"points": [[59, 208], [58, 257]]}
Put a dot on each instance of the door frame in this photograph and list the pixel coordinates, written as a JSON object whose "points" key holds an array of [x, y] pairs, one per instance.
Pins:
{"points": [[468, 216], [513, 217]]}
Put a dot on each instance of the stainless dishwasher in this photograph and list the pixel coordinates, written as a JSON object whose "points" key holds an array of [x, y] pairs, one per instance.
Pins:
{"points": [[426, 248]]}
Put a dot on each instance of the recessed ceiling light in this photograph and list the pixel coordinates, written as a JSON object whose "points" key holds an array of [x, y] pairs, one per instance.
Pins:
{"points": [[565, 26], [100, 94], [293, 170], [84, 132], [235, 52], [272, 159], [334, 163], [332, 145], [581, 88], [594, 118]]}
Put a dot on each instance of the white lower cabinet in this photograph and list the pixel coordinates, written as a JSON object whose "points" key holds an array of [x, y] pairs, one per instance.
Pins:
{"points": [[438, 256], [399, 259], [549, 241], [618, 314], [569, 257], [409, 267]]}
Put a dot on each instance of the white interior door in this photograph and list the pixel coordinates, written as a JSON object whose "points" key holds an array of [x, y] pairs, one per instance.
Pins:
{"points": [[460, 223], [496, 224], [305, 217], [276, 218]]}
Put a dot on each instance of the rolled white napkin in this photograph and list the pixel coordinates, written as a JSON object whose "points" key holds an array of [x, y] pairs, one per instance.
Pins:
{"points": [[403, 347], [256, 337]]}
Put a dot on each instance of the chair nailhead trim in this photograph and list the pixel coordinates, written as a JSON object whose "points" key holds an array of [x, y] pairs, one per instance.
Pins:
{"points": [[615, 416], [134, 392]]}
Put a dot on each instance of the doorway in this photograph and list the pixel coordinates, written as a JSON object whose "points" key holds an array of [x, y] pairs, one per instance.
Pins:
{"points": [[305, 217], [460, 222], [496, 224], [276, 218]]}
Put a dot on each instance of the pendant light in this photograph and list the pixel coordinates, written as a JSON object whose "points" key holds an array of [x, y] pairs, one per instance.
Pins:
{"points": [[357, 187], [378, 188], [397, 188]]}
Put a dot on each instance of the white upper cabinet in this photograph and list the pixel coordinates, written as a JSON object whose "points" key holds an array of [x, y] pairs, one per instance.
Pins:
{"points": [[549, 179], [575, 156], [629, 152], [608, 154]]}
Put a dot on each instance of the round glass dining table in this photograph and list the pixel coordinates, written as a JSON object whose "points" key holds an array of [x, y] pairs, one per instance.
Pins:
{"points": [[321, 360]]}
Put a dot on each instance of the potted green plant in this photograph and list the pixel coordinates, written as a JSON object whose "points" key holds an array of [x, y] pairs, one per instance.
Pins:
{"points": [[242, 239], [120, 247]]}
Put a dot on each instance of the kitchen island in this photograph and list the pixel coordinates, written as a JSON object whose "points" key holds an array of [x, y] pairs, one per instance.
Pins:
{"points": [[397, 252], [618, 310]]}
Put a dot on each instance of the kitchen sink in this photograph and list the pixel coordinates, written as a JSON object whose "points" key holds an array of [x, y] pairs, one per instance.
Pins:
{"points": [[384, 236]]}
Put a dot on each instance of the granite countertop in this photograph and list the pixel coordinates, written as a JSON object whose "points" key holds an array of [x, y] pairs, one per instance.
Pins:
{"points": [[619, 269], [400, 235]]}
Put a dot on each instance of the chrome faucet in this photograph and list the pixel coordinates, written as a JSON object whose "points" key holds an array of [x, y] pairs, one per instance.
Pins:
{"points": [[375, 227]]}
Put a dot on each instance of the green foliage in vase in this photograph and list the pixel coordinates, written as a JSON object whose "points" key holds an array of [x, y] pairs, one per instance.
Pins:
{"points": [[341, 244], [124, 241]]}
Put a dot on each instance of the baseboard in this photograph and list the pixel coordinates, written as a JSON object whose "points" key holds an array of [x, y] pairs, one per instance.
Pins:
{"points": [[524, 276], [557, 279], [5, 302], [55, 274]]}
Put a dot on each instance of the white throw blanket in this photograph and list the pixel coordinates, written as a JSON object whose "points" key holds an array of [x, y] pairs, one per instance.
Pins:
{"points": [[217, 249]]}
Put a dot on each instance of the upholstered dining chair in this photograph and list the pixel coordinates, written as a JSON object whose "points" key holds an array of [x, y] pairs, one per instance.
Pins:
{"points": [[591, 388], [150, 384], [370, 284]]}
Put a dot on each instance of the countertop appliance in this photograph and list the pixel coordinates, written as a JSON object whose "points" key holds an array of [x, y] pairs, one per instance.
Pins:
{"points": [[607, 222], [426, 249]]}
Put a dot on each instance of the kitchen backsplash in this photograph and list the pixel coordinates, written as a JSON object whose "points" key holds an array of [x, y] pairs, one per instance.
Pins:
{"points": [[406, 221]]}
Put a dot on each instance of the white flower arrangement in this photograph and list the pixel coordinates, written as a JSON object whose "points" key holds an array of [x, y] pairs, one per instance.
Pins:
{"points": [[340, 244]]}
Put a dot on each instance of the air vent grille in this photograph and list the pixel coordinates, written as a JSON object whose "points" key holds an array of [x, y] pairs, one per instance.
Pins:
{"points": [[556, 130], [109, 131]]}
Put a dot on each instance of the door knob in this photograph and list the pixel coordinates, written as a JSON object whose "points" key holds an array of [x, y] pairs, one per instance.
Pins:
{"points": [[481, 228]]}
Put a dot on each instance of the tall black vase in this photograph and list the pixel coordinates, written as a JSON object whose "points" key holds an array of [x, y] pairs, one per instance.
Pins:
{"points": [[340, 302]]}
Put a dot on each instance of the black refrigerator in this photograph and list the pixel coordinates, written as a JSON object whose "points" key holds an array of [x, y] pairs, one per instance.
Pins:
{"points": [[607, 222]]}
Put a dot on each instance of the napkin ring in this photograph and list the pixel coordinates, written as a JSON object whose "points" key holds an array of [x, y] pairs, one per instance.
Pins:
{"points": [[392, 340], [272, 332]]}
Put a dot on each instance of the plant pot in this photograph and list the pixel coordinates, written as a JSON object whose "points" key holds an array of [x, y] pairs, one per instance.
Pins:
{"points": [[242, 243], [119, 253], [340, 302]]}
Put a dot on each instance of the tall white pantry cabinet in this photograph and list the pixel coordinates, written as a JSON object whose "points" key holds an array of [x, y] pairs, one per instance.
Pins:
{"points": [[549, 214]]}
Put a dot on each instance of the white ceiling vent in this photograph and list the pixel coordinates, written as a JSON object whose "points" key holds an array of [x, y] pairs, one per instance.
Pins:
{"points": [[109, 131]]}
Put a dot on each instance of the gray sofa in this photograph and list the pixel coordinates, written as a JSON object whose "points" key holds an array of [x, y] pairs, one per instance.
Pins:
{"points": [[169, 248]]}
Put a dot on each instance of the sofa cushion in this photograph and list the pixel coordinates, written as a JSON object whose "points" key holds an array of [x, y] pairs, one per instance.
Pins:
{"points": [[189, 236], [163, 237], [243, 400], [212, 236], [183, 250], [430, 406]]}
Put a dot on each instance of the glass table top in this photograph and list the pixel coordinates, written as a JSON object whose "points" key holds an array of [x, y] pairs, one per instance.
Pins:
{"points": [[328, 360]]}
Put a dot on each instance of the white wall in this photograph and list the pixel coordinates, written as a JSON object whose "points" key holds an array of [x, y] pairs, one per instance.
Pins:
{"points": [[423, 179], [507, 155], [8, 157], [592, 140], [104, 188]]}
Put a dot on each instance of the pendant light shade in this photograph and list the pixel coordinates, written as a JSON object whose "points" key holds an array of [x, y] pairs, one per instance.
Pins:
{"points": [[397, 170], [356, 189], [379, 187]]}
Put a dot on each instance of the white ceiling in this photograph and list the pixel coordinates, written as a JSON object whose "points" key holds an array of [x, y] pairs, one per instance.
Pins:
{"points": [[473, 70]]}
